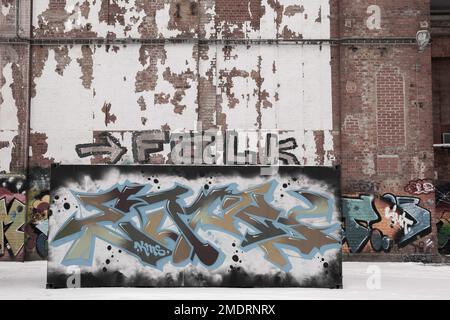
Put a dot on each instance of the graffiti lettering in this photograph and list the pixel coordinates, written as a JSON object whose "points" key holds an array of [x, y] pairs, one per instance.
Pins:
{"points": [[356, 211], [397, 218], [419, 187], [11, 221], [110, 147], [410, 207], [285, 156], [208, 147], [268, 228], [149, 249], [148, 142], [361, 215], [423, 247]]}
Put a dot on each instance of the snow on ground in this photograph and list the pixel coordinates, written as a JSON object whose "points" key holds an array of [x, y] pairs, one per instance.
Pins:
{"points": [[361, 281]]}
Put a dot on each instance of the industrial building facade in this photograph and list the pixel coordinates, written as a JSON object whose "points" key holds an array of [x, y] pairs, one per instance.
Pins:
{"points": [[338, 82]]}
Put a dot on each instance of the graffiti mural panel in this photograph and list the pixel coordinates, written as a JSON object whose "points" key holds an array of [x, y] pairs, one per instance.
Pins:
{"points": [[12, 217], [194, 226], [390, 223]]}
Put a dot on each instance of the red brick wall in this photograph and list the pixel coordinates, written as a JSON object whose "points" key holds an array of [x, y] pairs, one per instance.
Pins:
{"points": [[441, 103], [399, 18], [236, 11], [390, 108], [441, 47], [382, 100], [386, 116]]}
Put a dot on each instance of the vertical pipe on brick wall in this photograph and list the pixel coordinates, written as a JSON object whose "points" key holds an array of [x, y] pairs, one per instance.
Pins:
{"points": [[339, 86], [30, 76], [198, 74], [26, 132], [17, 18]]}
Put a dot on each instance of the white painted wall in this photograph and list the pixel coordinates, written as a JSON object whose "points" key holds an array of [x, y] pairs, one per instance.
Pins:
{"points": [[298, 91], [8, 117], [68, 113]]}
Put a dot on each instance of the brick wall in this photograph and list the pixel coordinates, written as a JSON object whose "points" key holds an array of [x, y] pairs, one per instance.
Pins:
{"points": [[441, 103], [386, 122], [390, 108], [441, 47], [381, 128]]}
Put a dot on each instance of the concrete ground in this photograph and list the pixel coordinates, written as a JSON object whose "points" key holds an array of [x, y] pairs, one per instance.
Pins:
{"points": [[361, 281]]}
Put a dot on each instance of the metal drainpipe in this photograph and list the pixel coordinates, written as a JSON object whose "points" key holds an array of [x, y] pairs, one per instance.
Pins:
{"points": [[18, 20], [26, 136], [30, 77]]}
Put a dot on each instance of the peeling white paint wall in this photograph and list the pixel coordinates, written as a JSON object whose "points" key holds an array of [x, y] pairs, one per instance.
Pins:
{"points": [[8, 110], [304, 23], [8, 118], [277, 87], [76, 112]]}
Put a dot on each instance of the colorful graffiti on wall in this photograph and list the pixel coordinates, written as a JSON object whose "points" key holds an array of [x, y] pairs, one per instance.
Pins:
{"points": [[12, 217], [443, 212], [386, 224], [38, 203], [195, 226], [419, 187]]}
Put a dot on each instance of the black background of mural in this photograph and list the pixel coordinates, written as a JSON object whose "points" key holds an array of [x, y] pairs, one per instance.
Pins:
{"points": [[75, 173], [329, 277]]}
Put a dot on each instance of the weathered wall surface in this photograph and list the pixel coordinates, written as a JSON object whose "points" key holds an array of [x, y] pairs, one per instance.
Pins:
{"points": [[14, 108], [14, 118], [14, 66], [386, 123], [9, 25], [138, 88], [441, 108], [77, 98], [367, 107], [12, 217], [443, 214], [124, 90], [184, 19]]}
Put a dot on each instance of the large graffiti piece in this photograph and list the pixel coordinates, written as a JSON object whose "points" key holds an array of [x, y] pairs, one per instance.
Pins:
{"points": [[385, 224], [194, 226], [12, 218], [443, 213]]}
